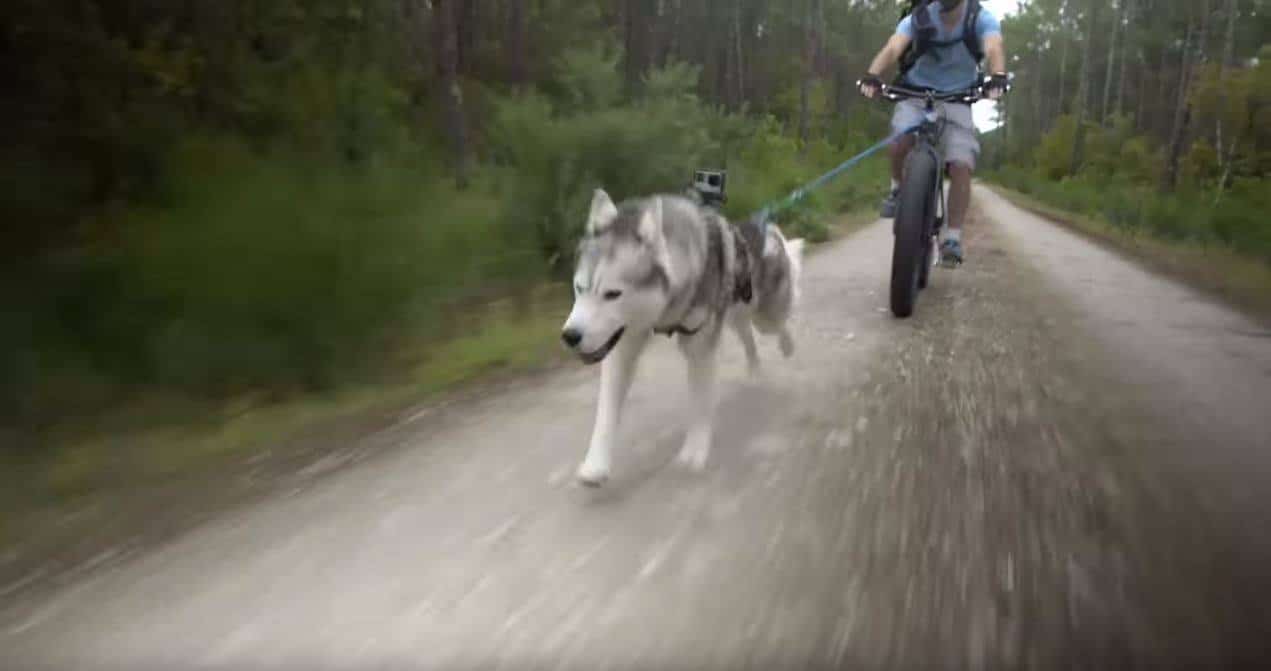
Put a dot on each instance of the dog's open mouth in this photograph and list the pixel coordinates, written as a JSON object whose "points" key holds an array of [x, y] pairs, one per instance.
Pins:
{"points": [[599, 355]]}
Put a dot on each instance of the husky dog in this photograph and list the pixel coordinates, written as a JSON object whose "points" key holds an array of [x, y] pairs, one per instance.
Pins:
{"points": [[665, 265]]}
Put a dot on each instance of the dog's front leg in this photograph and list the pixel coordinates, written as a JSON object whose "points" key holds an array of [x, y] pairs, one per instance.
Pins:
{"points": [[740, 321], [616, 374], [701, 358]]}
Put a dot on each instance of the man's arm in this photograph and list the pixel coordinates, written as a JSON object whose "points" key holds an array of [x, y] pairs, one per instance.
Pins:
{"points": [[995, 51], [886, 58], [891, 53]]}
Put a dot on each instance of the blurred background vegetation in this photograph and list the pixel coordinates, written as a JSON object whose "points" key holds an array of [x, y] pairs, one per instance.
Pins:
{"points": [[217, 198], [1153, 116]]}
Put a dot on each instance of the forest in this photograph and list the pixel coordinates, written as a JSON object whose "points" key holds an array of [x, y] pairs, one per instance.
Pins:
{"points": [[210, 197], [1153, 115]]}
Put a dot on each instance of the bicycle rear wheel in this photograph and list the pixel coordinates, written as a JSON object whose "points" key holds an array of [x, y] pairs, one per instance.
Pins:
{"points": [[912, 231]]}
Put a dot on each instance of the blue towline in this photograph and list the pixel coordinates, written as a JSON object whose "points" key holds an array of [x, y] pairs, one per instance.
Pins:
{"points": [[764, 216]]}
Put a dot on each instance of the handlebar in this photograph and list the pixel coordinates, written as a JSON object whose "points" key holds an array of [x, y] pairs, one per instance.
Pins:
{"points": [[898, 93], [968, 96]]}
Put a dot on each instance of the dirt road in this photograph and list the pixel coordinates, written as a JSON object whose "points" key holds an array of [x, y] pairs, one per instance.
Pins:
{"points": [[1060, 462]]}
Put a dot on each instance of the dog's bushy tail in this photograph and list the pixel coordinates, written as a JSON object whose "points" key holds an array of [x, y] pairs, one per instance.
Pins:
{"points": [[794, 252]]}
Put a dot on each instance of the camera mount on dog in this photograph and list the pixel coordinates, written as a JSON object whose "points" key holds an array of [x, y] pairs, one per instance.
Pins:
{"points": [[710, 187]]}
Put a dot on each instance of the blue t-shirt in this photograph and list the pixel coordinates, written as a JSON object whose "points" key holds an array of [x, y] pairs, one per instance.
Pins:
{"points": [[950, 68]]}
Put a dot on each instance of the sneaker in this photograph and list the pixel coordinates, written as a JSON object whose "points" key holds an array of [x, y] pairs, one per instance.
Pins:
{"points": [[888, 210], [951, 253]]}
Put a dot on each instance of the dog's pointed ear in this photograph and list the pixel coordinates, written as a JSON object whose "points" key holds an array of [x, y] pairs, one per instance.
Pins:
{"points": [[603, 212], [651, 222]]}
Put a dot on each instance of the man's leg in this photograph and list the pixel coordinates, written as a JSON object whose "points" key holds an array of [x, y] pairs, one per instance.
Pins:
{"points": [[905, 116], [959, 195], [959, 202], [961, 149], [899, 151]]}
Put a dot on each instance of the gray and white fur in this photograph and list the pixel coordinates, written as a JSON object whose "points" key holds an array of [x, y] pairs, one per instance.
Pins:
{"points": [[666, 266]]}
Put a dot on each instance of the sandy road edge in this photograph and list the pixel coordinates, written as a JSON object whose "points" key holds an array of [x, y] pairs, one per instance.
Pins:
{"points": [[1208, 271]]}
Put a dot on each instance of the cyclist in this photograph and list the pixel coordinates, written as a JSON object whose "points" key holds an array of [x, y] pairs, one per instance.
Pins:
{"points": [[949, 38]]}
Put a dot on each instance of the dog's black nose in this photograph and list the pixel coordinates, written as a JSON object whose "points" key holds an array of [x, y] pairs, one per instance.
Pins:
{"points": [[572, 337]]}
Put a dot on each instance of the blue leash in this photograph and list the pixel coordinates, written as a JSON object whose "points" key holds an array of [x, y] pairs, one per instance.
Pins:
{"points": [[762, 217]]}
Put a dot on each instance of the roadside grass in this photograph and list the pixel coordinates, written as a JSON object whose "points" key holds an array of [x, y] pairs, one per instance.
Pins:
{"points": [[1213, 268], [153, 439], [849, 223], [149, 467], [155, 442]]}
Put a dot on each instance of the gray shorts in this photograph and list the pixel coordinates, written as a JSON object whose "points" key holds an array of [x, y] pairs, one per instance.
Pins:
{"points": [[961, 143]]}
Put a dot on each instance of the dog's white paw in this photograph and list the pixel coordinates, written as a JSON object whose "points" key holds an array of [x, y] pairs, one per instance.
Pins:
{"points": [[787, 344], [592, 474], [696, 450]]}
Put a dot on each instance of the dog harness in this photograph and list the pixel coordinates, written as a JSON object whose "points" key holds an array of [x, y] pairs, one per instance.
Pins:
{"points": [[742, 285]]}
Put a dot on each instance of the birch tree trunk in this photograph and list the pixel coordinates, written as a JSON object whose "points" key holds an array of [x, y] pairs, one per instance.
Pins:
{"points": [[1169, 177], [740, 63], [1063, 57], [518, 32], [811, 43], [1083, 90], [1227, 148], [1130, 16], [447, 40], [1112, 53]]}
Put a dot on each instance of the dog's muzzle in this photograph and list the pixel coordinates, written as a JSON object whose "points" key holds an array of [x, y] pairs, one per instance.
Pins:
{"points": [[599, 355]]}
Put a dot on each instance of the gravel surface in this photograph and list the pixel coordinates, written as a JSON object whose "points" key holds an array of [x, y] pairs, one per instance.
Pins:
{"points": [[1060, 462]]}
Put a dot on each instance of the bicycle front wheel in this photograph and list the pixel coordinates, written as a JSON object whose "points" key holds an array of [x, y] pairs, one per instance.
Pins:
{"points": [[916, 200]]}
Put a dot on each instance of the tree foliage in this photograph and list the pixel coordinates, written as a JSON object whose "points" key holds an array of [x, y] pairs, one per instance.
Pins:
{"points": [[229, 194], [219, 194], [1175, 99]]}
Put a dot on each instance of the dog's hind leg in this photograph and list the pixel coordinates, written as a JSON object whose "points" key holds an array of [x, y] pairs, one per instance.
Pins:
{"points": [[616, 374], [700, 354], [787, 342], [741, 324]]}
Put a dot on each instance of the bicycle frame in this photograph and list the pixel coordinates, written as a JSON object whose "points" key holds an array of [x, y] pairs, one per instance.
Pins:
{"points": [[929, 135], [930, 132], [922, 206]]}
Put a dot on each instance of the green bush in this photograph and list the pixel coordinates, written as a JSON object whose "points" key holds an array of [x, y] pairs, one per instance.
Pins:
{"points": [[765, 168], [558, 160], [865, 186], [1200, 166], [261, 271], [1054, 154], [1236, 219], [299, 253], [560, 149], [806, 219], [770, 166]]}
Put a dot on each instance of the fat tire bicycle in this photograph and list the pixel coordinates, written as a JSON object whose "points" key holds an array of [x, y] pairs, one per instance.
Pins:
{"points": [[921, 205]]}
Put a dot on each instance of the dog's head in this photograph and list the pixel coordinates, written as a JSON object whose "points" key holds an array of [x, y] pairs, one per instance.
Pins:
{"points": [[623, 278]]}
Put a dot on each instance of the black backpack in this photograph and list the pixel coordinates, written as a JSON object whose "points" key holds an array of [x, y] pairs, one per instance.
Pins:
{"points": [[926, 35]]}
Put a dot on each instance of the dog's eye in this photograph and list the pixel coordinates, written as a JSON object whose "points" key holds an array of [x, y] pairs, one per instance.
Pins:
{"points": [[613, 295]]}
